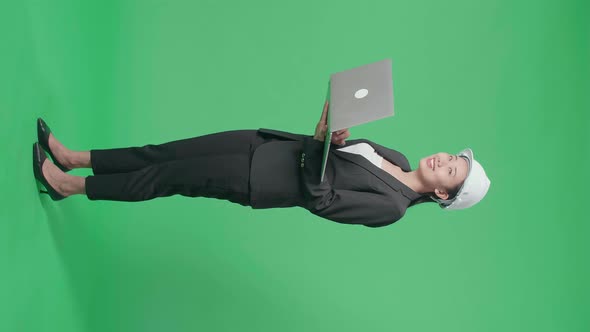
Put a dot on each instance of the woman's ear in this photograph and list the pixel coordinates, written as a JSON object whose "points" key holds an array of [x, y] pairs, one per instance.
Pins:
{"points": [[442, 194]]}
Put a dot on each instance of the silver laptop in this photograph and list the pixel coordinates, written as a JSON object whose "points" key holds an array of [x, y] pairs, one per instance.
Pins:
{"points": [[356, 96]]}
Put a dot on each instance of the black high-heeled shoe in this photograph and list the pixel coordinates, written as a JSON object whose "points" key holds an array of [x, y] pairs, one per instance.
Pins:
{"points": [[43, 132], [38, 158]]}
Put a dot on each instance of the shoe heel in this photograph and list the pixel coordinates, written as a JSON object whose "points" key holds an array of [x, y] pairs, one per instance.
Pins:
{"points": [[38, 159]]}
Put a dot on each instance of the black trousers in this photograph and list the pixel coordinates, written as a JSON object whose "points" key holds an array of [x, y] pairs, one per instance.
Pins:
{"points": [[214, 165]]}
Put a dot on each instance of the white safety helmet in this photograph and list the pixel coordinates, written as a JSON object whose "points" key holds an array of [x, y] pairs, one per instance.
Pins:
{"points": [[474, 187]]}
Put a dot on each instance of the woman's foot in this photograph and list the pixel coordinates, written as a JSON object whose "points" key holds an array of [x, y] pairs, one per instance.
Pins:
{"points": [[56, 178], [60, 152], [66, 157], [65, 184]]}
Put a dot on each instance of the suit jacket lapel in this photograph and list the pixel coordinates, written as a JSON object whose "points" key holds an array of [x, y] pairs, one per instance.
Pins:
{"points": [[389, 155]]}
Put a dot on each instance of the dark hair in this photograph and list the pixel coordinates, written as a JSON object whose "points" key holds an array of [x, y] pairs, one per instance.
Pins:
{"points": [[453, 192], [425, 198]]}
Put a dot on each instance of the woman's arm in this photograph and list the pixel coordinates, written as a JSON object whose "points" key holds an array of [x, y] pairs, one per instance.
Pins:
{"points": [[343, 206]]}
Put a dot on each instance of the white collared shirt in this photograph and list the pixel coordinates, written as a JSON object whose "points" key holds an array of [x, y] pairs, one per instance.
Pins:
{"points": [[365, 150]]}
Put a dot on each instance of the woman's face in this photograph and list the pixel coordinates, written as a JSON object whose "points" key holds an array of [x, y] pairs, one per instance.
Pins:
{"points": [[442, 172]]}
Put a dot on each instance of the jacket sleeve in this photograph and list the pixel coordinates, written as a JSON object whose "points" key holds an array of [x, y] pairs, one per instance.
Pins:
{"points": [[343, 206]]}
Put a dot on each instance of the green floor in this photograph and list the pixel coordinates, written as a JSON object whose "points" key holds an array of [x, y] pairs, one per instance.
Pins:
{"points": [[509, 79]]}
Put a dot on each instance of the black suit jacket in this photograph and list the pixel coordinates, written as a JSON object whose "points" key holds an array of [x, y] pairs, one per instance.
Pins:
{"points": [[354, 191]]}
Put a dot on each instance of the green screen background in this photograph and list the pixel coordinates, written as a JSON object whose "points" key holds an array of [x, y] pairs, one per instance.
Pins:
{"points": [[510, 79]]}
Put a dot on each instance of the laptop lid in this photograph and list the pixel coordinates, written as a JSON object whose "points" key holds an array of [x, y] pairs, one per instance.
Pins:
{"points": [[356, 96], [362, 94]]}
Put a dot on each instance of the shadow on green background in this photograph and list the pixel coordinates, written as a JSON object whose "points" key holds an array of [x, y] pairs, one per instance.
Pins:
{"points": [[509, 80]]}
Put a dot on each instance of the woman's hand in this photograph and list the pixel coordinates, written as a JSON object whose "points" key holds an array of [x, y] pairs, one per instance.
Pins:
{"points": [[322, 126], [338, 137]]}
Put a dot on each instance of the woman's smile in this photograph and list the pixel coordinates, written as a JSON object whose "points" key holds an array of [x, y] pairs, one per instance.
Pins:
{"points": [[430, 163]]}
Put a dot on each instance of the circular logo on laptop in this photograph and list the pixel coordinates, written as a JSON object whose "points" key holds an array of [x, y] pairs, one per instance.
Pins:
{"points": [[362, 93]]}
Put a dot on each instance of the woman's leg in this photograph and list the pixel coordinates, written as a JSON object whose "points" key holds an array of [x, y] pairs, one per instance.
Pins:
{"points": [[223, 177], [120, 160], [215, 176], [220, 170]]}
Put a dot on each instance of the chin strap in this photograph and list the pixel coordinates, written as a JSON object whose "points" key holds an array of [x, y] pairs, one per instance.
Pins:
{"points": [[442, 202]]}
